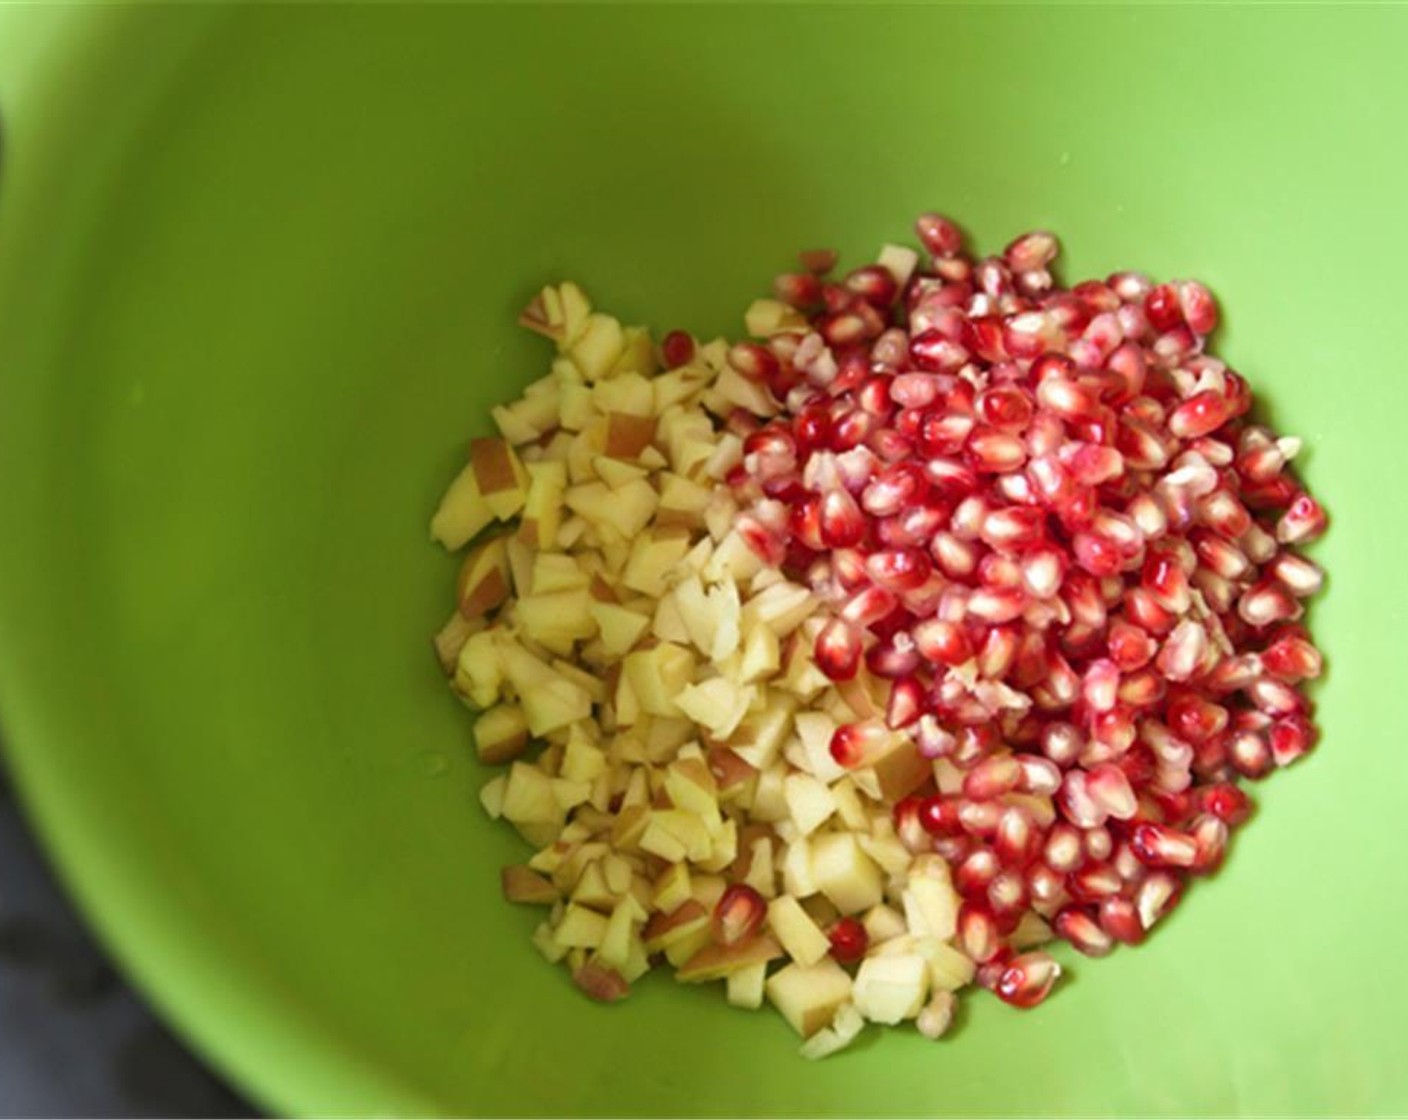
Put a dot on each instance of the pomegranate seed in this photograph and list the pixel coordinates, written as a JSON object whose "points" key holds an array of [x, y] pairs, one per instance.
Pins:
{"points": [[1210, 836], [939, 816], [874, 284], [1290, 738], [1160, 846], [939, 235], [1040, 776], [1017, 841], [1292, 659], [1155, 896], [1098, 843], [755, 362], [1079, 927], [1065, 849], [849, 940], [899, 569], [840, 520], [738, 915], [1028, 978], [1224, 801], [1109, 788], [800, 289], [851, 743], [677, 349], [818, 260], [1249, 753], [1197, 306], [1163, 308], [837, 650], [1267, 602], [905, 705], [1299, 576], [1008, 895], [1120, 919], [1094, 882], [1303, 521], [977, 933], [977, 870], [1061, 743], [943, 643]]}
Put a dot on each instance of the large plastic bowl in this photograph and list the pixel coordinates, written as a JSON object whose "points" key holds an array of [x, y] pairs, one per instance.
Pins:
{"points": [[258, 275]]}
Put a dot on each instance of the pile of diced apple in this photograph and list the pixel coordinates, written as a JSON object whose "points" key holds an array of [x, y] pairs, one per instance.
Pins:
{"points": [[649, 685]]}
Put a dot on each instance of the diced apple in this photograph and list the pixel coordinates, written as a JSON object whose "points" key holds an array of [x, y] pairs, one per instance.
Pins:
{"points": [[654, 558], [523, 884], [575, 410], [571, 794], [462, 513], [899, 261], [682, 502], [660, 841], [809, 996], [630, 827], [685, 949], [692, 788], [544, 942], [800, 936], [629, 393], [770, 795], [845, 1028], [809, 802], [491, 796], [580, 928], [688, 829], [626, 510], [714, 962], [718, 705], [500, 476], [708, 889], [657, 676], [555, 572], [883, 923], [616, 942], [816, 729], [730, 772], [600, 982], [554, 703], [761, 655], [931, 907], [599, 346], [628, 435], [849, 809], [798, 878], [759, 737], [483, 582], [586, 880], [637, 354], [501, 734], [583, 761], [892, 856], [761, 873], [767, 317], [561, 615], [450, 640], [949, 969], [1031, 931], [738, 391], [744, 988], [528, 797], [617, 473], [733, 560], [672, 888], [844, 873], [890, 989]]}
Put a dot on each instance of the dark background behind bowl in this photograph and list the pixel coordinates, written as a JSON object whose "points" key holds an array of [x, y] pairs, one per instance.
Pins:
{"points": [[74, 1039]]}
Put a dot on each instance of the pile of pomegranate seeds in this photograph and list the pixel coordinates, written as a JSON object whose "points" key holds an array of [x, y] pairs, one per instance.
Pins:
{"points": [[1042, 515]]}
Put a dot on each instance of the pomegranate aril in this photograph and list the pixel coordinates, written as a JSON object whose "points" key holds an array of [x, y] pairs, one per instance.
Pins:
{"points": [[1210, 838], [1109, 788], [1078, 926], [1017, 841], [677, 349], [1120, 919], [1160, 846], [1298, 575], [942, 642], [1304, 520], [1292, 659], [1008, 895], [738, 914], [840, 520], [1249, 753], [939, 235], [906, 703], [1094, 882], [978, 935], [939, 816], [849, 940], [874, 284], [800, 289], [1155, 896], [1224, 801], [837, 650], [1290, 738], [1028, 978]]}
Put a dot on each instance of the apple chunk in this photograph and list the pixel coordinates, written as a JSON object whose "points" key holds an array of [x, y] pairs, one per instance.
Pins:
{"points": [[714, 962], [501, 734], [808, 996], [462, 513], [889, 989], [800, 936], [523, 884], [844, 873], [483, 583]]}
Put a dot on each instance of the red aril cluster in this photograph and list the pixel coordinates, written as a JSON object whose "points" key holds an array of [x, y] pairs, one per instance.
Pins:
{"points": [[1043, 515]]}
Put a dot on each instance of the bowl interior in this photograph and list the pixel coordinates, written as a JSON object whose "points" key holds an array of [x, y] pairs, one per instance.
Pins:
{"points": [[258, 284]]}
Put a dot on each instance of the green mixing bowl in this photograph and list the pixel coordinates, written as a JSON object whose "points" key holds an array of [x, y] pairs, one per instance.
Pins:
{"points": [[258, 274]]}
